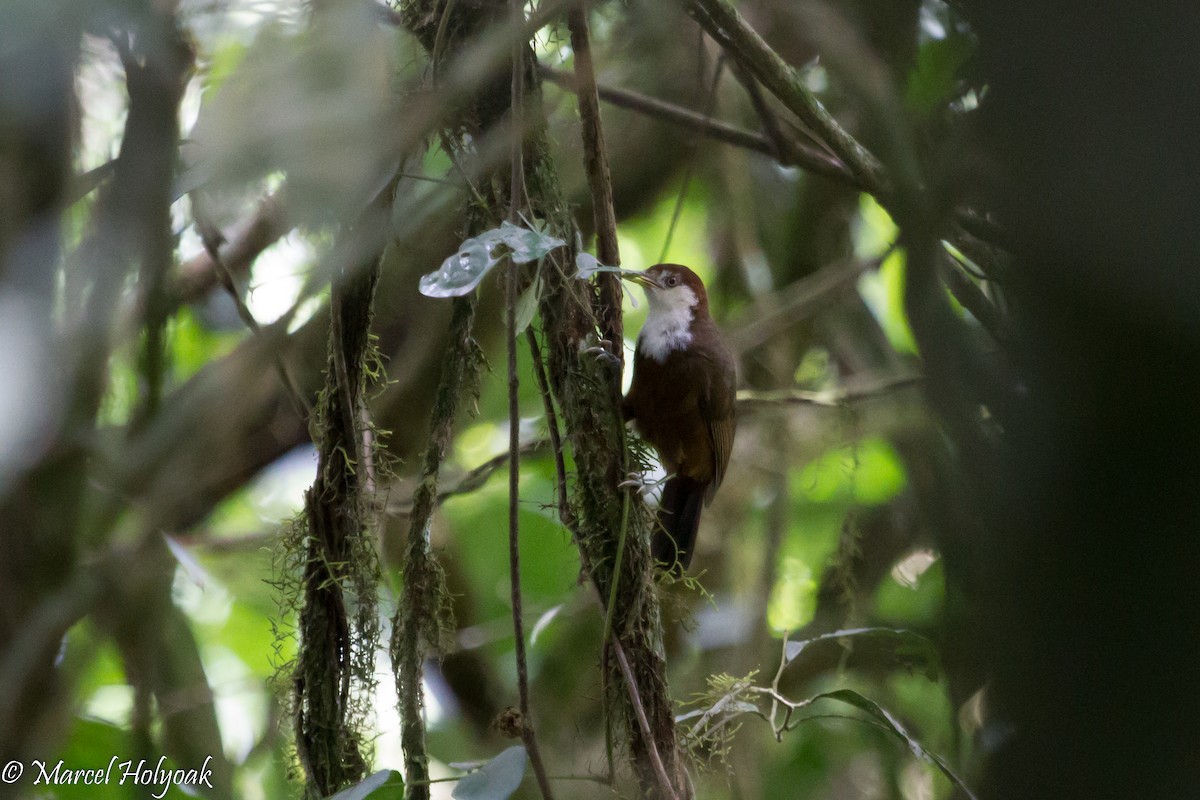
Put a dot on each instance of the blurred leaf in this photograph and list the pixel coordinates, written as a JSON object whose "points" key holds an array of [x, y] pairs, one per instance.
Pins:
{"points": [[933, 80], [387, 784], [496, 780], [100, 662], [528, 303], [317, 106], [875, 231], [917, 606], [793, 599], [913, 650], [190, 732], [194, 344], [544, 622], [191, 568], [93, 745], [249, 635], [883, 718], [549, 562], [868, 472]]}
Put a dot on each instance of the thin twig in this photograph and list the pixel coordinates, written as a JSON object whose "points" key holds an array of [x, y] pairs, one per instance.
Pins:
{"points": [[83, 185], [737, 38], [801, 299], [786, 148], [269, 222], [749, 401], [475, 478], [517, 193], [212, 239], [560, 468], [609, 300], [972, 298], [664, 783], [691, 162], [804, 155], [770, 124]]}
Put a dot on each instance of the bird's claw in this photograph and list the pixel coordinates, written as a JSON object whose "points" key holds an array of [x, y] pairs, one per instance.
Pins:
{"points": [[637, 481], [603, 352]]}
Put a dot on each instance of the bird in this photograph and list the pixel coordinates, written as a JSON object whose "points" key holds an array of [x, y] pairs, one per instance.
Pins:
{"points": [[682, 401]]}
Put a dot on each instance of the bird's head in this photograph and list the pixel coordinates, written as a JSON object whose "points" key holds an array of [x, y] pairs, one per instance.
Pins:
{"points": [[672, 289]]}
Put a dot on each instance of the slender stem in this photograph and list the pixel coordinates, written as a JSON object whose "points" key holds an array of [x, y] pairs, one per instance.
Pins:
{"points": [[212, 238], [616, 579], [517, 189], [687, 175], [416, 612], [560, 467], [800, 154], [664, 783]]}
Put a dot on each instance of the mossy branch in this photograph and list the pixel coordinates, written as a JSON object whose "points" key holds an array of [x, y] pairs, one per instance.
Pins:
{"points": [[416, 623], [339, 630], [586, 389], [728, 27]]}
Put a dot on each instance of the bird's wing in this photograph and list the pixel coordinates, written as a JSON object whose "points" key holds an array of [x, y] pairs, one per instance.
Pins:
{"points": [[717, 407]]}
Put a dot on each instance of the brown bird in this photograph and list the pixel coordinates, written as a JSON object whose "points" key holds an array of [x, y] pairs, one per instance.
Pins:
{"points": [[682, 400]]}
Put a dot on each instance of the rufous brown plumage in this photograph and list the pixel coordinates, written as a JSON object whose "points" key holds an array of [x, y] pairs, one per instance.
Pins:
{"points": [[682, 401]]}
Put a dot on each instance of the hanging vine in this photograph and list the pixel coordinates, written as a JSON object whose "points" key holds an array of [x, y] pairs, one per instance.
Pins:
{"points": [[333, 677]]}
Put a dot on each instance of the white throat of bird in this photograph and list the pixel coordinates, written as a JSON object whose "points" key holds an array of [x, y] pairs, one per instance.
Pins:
{"points": [[669, 322]]}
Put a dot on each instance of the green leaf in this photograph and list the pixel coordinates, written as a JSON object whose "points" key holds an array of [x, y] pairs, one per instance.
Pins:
{"points": [[880, 716], [912, 649], [934, 80], [527, 304], [496, 780], [387, 784]]}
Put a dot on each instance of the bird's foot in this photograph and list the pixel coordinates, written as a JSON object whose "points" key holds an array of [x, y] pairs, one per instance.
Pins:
{"points": [[637, 481], [603, 352]]}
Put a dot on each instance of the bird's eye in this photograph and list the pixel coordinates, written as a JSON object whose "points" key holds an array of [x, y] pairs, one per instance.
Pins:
{"points": [[671, 280]]}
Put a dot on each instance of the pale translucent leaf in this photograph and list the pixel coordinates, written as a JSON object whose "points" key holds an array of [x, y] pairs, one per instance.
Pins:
{"points": [[461, 272], [527, 304], [191, 567], [527, 245], [496, 780], [373, 786]]}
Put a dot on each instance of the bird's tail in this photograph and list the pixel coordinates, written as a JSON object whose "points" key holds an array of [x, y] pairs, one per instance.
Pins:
{"points": [[678, 521]]}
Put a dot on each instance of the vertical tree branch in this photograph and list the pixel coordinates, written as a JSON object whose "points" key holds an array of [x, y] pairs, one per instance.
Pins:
{"points": [[516, 193], [338, 621], [414, 624], [595, 162], [594, 426]]}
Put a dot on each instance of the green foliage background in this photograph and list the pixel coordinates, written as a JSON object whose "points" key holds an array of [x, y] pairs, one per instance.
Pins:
{"points": [[790, 548]]}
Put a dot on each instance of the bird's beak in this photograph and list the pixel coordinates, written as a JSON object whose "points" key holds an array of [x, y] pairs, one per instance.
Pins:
{"points": [[642, 279]]}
